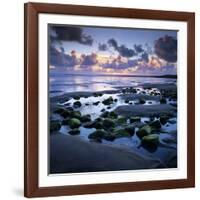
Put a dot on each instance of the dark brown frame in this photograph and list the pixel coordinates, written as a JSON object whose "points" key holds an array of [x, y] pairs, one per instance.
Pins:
{"points": [[32, 10]]}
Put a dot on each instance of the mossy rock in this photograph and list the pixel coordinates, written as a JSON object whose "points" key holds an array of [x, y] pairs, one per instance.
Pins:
{"points": [[151, 139], [121, 120], [75, 131], [97, 125], [144, 131], [88, 124], [163, 101], [108, 123], [85, 118], [130, 130], [135, 119], [155, 124], [164, 119], [105, 114], [97, 134], [59, 110], [65, 121], [77, 104], [121, 133], [113, 115], [55, 125], [76, 114], [74, 123], [108, 101]]}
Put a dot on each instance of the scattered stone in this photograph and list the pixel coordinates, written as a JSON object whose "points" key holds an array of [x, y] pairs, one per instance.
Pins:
{"points": [[152, 139], [142, 101], [134, 119], [108, 101], [77, 104], [143, 131], [155, 124], [86, 118], [55, 126], [103, 110], [74, 123], [108, 123], [75, 131], [96, 103], [163, 101]]}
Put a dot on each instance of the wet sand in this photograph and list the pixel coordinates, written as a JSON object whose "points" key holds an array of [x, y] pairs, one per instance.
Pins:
{"points": [[70, 154]]}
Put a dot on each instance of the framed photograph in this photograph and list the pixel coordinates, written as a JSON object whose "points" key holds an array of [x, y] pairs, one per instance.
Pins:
{"points": [[109, 99]]}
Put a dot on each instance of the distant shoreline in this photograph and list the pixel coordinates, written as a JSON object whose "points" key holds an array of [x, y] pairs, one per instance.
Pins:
{"points": [[119, 75]]}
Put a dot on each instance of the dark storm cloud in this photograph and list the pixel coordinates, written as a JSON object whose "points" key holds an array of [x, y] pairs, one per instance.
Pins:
{"points": [[145, 57], [102, 47], [70, 33], [122, 49], [166, 48], [88, 60], [60, 59], [138, 48]]}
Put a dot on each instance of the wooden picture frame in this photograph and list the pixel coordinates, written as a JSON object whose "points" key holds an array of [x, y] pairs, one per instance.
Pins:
{"points": [[31, 104]]}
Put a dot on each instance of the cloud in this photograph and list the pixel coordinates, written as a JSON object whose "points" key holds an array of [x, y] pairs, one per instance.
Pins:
{"points": [[87, 60], [59, 59], [138, 48], [145, 57], [102, 47], [122, 49], [70, 33], [166, 48]]}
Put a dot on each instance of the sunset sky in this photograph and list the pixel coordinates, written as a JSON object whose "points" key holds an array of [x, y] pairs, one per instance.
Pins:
{"points": [[101, 50]]}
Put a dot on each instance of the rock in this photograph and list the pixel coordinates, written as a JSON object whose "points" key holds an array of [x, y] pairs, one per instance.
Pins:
{"points": [[74, 123], [65, 121], [108, 123], [55, 126], [77, 98], [98, 134], [113, 115], [121, 133], [142, 101], [134, 119], [97, 125], [108, 101], [130, 130], [121, 120], [76, 114], [96, 103], [77, 104], [69, 108], [103, 110], [143, 131], [95, 94], [155, 124], [126, 101], [105, 114], [87, 104], [151, 139], [115, 100], [59, 110], [88, 124], [85, 118], [109, 107], [163, 101], [164, 119], [75, 131]]}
